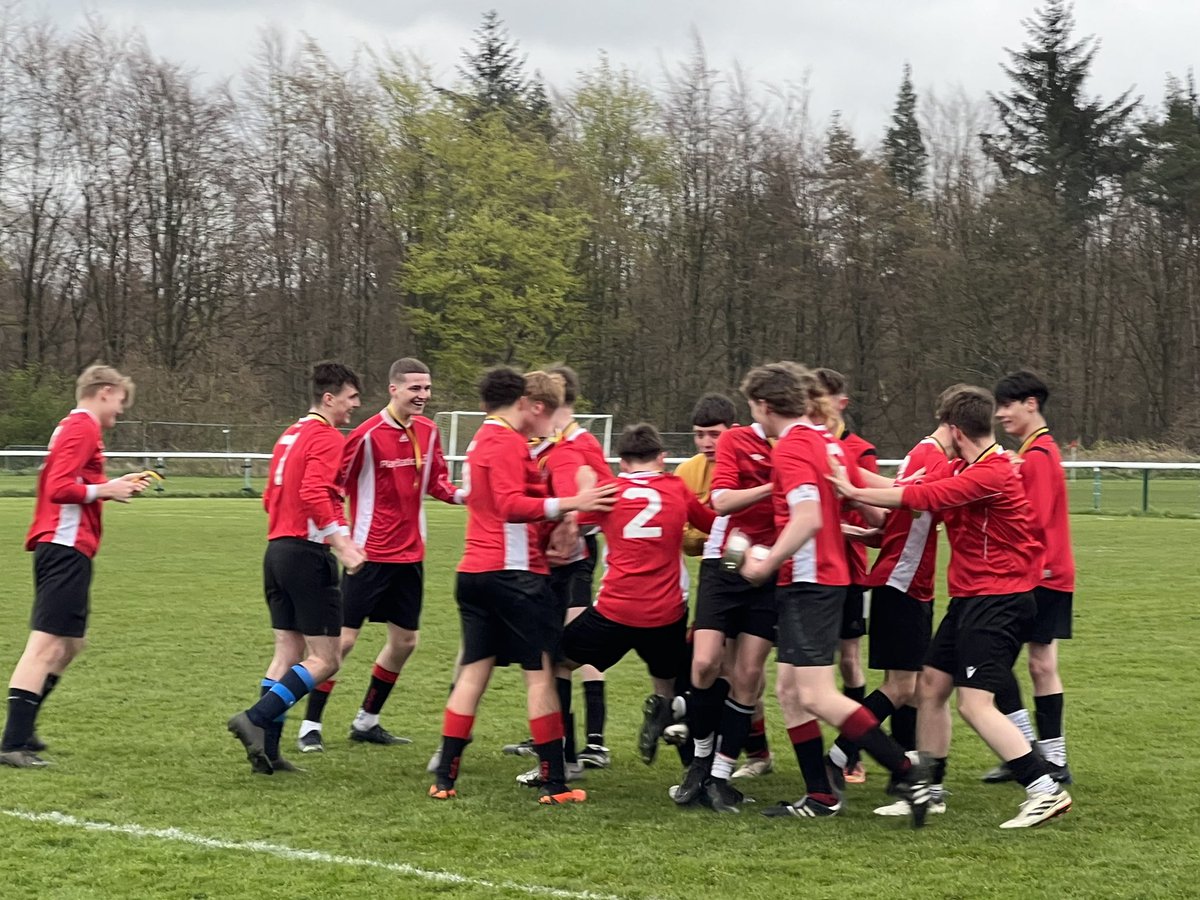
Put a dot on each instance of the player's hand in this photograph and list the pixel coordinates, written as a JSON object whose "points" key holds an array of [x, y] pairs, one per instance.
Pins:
{"points": [[598, 498], [857, 532], [563, 540], [351, 557], [755, 567], [842, 483], [120, 489]]}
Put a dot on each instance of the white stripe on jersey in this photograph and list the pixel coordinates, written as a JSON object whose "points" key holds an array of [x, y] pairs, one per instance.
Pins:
{"points": [[364, 505], [804, 563], [516, 546], [69, 516], [910, 557], [716, 537]]}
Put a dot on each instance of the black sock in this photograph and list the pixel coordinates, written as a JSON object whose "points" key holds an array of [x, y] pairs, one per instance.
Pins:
{"points": [[810, 754], [23, 708], [1008, 697], [284, 694], [857, 694], [1028, 768], [49, 684], [880, 705], [1048, 711], [704, 709], [317, 700], [597, 710], [451, 757], [563, 686], [735, 727], [862, 728], [273, 730], [380, 687], [939, 769], [904, 727], [551, 763]]}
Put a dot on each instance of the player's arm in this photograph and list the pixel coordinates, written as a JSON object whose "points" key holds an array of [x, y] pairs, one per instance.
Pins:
{"points": [[804, 521], [699, 516], [972, 484], [73, 448], [872, 478], [321, 497], [440, 487], [1036, 473], [872, 515], [507, 480]]}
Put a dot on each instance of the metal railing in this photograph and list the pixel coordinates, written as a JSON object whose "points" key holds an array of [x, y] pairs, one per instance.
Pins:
{"points": [[1092, 486]]}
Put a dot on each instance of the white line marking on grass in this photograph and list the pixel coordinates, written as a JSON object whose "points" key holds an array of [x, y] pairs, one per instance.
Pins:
{"points": [[284, 852]]}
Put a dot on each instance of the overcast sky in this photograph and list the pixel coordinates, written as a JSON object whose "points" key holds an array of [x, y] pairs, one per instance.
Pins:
{"points": [[851, 51]]}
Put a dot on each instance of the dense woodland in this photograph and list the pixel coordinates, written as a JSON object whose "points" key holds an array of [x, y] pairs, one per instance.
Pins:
{"points": [[662, 237]]}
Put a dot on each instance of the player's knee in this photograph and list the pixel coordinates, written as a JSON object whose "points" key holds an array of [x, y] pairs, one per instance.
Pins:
{"points": [[1042, 666], [902, 690], [747, 679], [972, 705], [933, 687], [56, 653], [402, 641], [705, 671]]}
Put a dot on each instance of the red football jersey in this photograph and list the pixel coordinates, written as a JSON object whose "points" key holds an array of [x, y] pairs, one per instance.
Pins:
{"points": [[507, 499], [1045, 486], [860, 453], [804, 455], [743, 461], [993, 543], [562, 458], [67, 511], [907, 559], [645, 579], [387, 469], [303, 498]]}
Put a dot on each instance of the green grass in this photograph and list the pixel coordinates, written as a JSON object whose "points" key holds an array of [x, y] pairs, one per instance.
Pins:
{"points": [[179, 640]]}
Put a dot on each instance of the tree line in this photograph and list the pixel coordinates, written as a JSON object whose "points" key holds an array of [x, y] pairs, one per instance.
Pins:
{"points": [[661, 236]]}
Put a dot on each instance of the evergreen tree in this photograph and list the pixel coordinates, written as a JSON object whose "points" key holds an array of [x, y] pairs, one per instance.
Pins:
{"points": [[1050, 130], [905, 155], [495, 73]]}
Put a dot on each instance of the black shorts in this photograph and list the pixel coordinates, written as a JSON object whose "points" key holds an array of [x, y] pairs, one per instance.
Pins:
{"points": [[810, 619], [728, 603], [62, 577], [1053, 620], [593, 640], [383, 592], [510, 615], [980, 638], [572, 584], [900, 630], [854, 613], [300, 579]]}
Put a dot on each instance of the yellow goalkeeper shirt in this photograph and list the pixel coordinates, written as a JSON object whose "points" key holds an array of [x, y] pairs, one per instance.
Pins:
{"points": [[697, 474]]}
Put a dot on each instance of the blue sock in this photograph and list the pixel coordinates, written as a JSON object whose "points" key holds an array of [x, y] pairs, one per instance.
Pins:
{"points": [[281, 696]]}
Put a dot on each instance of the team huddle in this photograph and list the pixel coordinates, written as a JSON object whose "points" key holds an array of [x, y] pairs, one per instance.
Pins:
{"points": [[780, 511]]}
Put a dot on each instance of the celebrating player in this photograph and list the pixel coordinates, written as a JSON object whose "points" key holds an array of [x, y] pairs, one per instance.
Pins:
{"points": [[64, 537], [1020, 401], [729, 608], [860, 453], [641, 604], [809, 554], [508, 614], [389, 464], [305, 515], [713, 415], [995, 563]]}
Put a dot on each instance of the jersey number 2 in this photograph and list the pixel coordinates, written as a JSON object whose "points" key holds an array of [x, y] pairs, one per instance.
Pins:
{"points": [[636, 527]]}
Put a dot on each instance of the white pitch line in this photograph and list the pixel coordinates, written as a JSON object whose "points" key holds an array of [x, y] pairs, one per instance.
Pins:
{"points": [[284, 852]]}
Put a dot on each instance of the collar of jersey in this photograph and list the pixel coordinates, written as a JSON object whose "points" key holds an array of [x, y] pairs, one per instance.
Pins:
{"points": [[639, 474], [1028, 442], [78, 409]]}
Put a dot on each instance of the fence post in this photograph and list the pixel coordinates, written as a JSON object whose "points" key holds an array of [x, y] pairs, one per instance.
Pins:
{"points": [[1096, 489], [1145, 490], [161, 468], [247, 466]]}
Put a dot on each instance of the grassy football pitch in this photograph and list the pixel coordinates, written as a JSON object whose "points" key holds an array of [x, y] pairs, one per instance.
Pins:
{"points": [[149, 796]]}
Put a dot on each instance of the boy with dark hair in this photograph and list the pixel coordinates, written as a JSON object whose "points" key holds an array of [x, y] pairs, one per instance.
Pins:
{"points": [[389, 464], [1020, 408], [305, 516], [995, 563], [713, 415], [504, 602]]}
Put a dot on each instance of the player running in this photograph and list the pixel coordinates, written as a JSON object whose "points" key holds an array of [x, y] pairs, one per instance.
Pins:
{"points": [[305, 516], [390, 463], [64, 537]]}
